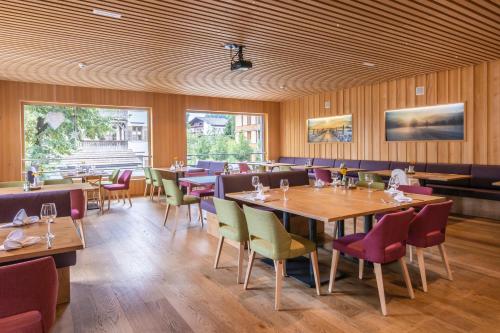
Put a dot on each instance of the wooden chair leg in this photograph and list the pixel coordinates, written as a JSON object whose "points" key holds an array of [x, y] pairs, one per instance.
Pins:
{"points": [[159, 192], [166, 214], [410, 252], [314, 258], [146, 189], [406, 277], [249, 269], [189, 213], [278, 282], [445, 261], [335, 227], [380, 286], [200, 214], [123, 196], [354, 225], [128, 196], [361, 268], [421, 267], [241, 253], [80, 230], [109, 200], [333, 269], [219, 250], [176, 219], [151, 192]]}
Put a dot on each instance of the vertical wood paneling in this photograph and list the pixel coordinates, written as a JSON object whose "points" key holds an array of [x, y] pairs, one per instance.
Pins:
{"points": [[478, 86]]}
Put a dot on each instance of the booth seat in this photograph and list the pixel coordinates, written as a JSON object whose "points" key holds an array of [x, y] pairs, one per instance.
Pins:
{"points": [[212, 167], [32, 202]]}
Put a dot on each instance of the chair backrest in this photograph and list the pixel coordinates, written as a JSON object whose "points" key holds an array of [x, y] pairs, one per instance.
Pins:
{"points": [[243, 167], [403, 178], [125, 178], [260, 168], [285, 168], [77, 199], [174, 194], [230, 214], [27, 286], [415, 189], [323, 175], [203, 164], [433, 217], [116, 172], [374, 185], [58, 181], [265, 229], [147, 172], [390, 233], [156, 177], [375, 177], [12, 184]]}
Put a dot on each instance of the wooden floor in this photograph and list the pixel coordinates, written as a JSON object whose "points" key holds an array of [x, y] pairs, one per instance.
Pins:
{"points": [[134, 277]]}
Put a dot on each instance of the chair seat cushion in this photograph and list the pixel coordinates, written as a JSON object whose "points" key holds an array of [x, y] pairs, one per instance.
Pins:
{"points": [[190, 199], [115, 187], [203, 192], [75, 214], [27, 322], [299, 246], [432, 238], [351, 245]]}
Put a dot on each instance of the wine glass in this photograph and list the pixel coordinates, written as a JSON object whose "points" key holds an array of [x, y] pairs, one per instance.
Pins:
{"points": [[181, 164], [284, 185], [396, 182], [255, 182], [335, 178], [369, 181], [49, 213]]}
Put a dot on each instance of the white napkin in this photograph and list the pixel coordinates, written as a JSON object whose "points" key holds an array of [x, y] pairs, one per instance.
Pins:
{"points": [[21, 219], [16, 240], [392, 191], [172, 167], [319, 183], [400, 197]]}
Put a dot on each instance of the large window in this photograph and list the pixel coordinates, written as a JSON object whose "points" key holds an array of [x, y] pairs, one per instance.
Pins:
{"points": [[224, 137], [60, 138]]}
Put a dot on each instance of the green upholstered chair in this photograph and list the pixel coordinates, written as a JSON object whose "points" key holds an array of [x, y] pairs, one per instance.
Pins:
{"points": [[58, 181], [233, 226], [375, 177], [148, 180], [285, 168], [373, 186], [269, 238], [175, 197], [19, 183], [260, 168], [156, 179]]}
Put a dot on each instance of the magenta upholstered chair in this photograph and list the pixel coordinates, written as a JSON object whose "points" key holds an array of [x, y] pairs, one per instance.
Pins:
{"points": [[188, 185], [28, 296], [122, 186], [385, 243], [428, 229], [324, 175], [78, 210], [244, 168]]}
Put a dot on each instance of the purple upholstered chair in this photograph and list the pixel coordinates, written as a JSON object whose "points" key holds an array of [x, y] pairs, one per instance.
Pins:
{"points": [[324, 175], [78, 210], [428, 229], [122, 186], [385, 243]]}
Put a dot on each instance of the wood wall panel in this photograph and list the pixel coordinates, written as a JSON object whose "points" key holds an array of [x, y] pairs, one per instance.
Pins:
{"points": [[167, 116], [478, 86]]}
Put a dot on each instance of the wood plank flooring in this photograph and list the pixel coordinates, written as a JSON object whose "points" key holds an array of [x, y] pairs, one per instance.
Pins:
{"points": [[134, 277]]}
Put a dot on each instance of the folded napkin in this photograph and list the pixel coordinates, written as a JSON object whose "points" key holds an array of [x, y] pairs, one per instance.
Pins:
{"points": [[392, 191], [17, 239], [20, 220], [172, 168], [400, 197]]}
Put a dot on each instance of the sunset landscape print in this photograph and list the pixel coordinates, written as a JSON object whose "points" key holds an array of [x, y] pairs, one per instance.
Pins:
{"points": [[439, 122], [330, 129]]}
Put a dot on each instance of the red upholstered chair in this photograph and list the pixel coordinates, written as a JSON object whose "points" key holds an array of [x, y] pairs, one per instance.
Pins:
{"points": [[78, 210], [28, 296], [324, 175], [427, 229], [122, 187], [385, 243], [244, 168], [188, 185]]}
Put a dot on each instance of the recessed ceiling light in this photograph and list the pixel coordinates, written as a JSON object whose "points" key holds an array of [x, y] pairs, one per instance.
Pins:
{"points": [[82, 65], [368, 64], [107, 13]]}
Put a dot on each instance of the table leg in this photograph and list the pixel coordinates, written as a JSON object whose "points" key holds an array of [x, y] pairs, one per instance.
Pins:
{"points": [[312, 237], [368, 223], [63, 293], [340, 229], [286, 221]]}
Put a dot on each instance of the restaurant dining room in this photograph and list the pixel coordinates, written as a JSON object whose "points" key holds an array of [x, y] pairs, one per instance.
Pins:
{"points": [[249, 166]]}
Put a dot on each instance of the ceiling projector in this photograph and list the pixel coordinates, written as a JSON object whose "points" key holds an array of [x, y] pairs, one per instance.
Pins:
{"points": [[237, 61]]}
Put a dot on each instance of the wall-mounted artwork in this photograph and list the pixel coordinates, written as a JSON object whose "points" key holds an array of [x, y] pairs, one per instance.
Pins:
{"points": [[428, 123], [330, 129]]}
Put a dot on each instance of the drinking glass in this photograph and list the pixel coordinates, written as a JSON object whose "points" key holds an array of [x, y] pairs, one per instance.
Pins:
{"points": [[335, 178], [255, 182], [284, 185], [391, 183], [181, 164], [369, 181], [49, 213], [396, 182]]}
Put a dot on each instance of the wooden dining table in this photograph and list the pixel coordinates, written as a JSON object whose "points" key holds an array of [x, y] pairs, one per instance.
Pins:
{"points": [[309, 167], [337, 169], [271, 166], [496, 183], [330, 204], [444, 177], [66, 240], [175, 174]]}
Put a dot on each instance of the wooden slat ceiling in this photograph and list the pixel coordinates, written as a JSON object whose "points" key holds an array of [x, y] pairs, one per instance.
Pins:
{"points": [[297, 47]]}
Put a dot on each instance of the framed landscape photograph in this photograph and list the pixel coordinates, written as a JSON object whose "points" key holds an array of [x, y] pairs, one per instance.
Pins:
{"points": [[428, 123], [330, 129]]}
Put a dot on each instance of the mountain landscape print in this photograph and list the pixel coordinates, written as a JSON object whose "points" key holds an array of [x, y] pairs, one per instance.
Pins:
{"points": [[439, 122], [330, 129]]}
